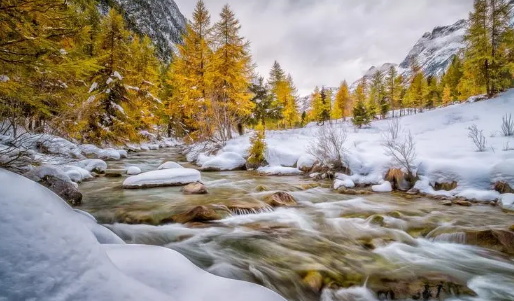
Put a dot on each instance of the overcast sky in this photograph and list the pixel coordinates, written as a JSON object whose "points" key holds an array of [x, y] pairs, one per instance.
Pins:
{"points": [[322, 42]]}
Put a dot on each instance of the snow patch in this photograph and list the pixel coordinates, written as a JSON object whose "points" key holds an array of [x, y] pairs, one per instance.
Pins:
{"points": [[165, 177], [225, 161]]}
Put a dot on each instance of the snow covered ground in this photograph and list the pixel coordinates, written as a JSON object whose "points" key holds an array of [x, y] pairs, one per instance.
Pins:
{"points": [[51, 252], [445, 153]]}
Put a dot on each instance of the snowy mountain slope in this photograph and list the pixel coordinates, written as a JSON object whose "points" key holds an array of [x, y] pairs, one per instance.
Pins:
{"points": [[384, 68], [161, 20], [433, 52]]}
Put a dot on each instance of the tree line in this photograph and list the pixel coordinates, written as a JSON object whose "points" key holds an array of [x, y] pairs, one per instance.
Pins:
{"points": [[67, 68]]}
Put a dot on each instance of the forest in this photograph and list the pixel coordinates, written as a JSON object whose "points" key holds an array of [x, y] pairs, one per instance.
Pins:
{"points": [[68, 69]]}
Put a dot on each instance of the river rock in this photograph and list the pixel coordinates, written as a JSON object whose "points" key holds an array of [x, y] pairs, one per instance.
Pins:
{"points": [[398, 179], [503, 187], [198, 214], [314, 280], [169, 165], [500, 240], [163, 178], [114, 173], [463, 203], [445, 186], [195, 188], [280, 199], [66, 190]]}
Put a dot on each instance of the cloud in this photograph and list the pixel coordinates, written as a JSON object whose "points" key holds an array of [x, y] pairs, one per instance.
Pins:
{"points": [[322, 42]]}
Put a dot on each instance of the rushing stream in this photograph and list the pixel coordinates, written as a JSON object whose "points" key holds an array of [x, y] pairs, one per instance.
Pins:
{"points": [[377, 247]]}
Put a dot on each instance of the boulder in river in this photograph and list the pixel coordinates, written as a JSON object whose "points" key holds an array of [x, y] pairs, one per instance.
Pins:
{"points": [[195, 188], [199, 214], [280, 199], [314, 280], [169, 165], [500, 240], [163, 178], [66, 190], [503, 187], [114, 173], [133, 171]]}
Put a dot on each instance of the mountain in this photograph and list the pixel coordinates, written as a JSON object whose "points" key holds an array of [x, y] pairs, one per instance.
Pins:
{"points": [[384, 68], [433, 52], [161, 20]]}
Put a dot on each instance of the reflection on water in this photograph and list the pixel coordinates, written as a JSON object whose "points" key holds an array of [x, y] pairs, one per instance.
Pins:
{"points": [[375, 248]]}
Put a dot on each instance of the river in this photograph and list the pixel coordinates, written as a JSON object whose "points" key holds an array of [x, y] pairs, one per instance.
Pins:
{"points": [[375, 247]]}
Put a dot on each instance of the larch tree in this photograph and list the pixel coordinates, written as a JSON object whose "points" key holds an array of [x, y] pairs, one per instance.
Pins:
{"points": [[393, 88], [453, 76], [342, 102], [316, 105], [290, 108], [231, 76], [447, 95], [193, 76]]}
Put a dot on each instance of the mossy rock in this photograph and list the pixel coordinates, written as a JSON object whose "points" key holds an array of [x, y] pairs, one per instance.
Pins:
{"points": [[377, 220], [445, 186], [280, 199], [314, 280], [261, 188], [503, 187]]}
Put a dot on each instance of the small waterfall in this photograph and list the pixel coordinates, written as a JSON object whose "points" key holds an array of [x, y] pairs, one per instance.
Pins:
{"points": [[457, 237], [248, 211]]}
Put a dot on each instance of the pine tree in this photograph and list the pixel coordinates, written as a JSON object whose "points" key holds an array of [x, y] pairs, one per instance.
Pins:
{"points": [[361, 116], [265, 109], [232, 71]]}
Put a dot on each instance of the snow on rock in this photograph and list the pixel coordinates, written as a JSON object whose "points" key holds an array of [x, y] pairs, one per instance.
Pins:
{"points": [[77, 174], [479, 194], [161, 178], [92, 165], [39, 173], [384, 187], [123, 153], [51, 252], [152, 266], [133, 171], [170, 165], [306, 162], [343, 181], [224, 161], [507, 201], [279, 171], [104, 154]]}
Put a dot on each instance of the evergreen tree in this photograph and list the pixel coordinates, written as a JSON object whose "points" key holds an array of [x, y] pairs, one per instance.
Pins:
{"points": [[361, 116], [232, 71], [265, 108], [393, 88]]}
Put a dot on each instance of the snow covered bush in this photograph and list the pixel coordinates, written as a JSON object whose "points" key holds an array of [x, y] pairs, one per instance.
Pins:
{"points": [[478, 138], [507, 125], [328, 147]]}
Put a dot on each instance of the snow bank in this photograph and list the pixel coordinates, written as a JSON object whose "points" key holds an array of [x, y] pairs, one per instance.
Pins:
{"points": [[445, 153], [104, 154], [170, 165], [51, 252], [279, 171], [39, 173], [133, 171], [306, 162], [225, 161], [165, 177], [170, 272], [77, 174]]}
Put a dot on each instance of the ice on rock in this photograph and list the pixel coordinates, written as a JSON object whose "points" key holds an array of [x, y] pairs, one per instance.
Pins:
{"points": [[225, 161], [169, 165], [162, 178]]}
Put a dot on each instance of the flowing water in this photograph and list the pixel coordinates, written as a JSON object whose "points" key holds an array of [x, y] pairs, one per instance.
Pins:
{"points": [[377, 247]]}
